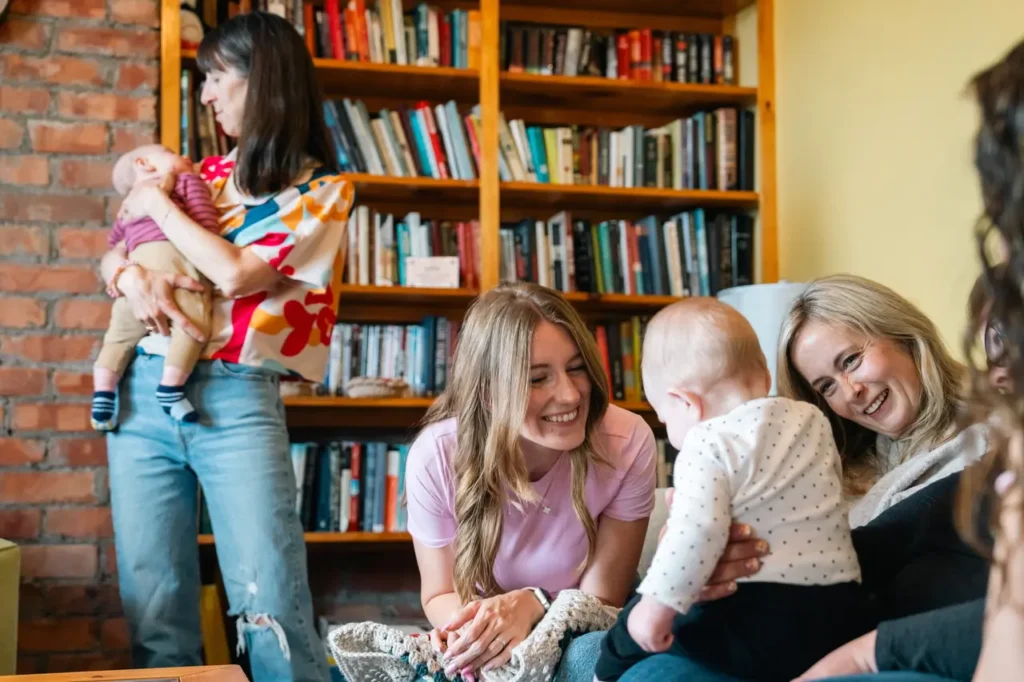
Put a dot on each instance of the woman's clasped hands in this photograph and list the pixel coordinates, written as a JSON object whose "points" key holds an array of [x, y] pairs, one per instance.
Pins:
{"points": [[482, 634]]}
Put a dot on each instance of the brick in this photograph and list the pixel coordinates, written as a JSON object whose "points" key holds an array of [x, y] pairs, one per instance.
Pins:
{"points": [[113, 42], [85, 173], [39, 601], [54, 69], [20, 451], [79, 522], [21, 313], [134, 76], [22, 381], [27, 35], [51, 208], [82, 9], [109, 560], [51, 417], [16, 240], [24, 100], [72, 383], [20, 524], [114, 634], [24, 170], [57, 634], [11, 134], [47, 486], [113, 206], [72, 279], [128, 138], [106, 106], [82, 313], [78, 452], [41, 348], [73, 663], [144, 12], [74, 242], [70, 138]]}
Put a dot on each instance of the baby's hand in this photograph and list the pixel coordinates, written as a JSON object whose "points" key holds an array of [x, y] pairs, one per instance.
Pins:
{"points": [[650, 625]]}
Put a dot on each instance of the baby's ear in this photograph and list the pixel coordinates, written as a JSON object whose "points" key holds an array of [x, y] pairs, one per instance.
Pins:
{"points": [[142, 163]]}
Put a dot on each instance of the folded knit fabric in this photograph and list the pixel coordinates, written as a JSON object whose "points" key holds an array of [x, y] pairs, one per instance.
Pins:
{"points": [[370, 652]]}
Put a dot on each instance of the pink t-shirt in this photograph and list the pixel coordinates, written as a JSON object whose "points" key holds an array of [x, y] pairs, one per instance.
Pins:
{"points": [[544, 544]]}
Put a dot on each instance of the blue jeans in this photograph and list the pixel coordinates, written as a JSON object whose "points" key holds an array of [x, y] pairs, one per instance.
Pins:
{"points": [[577, 664], [668, 668], [239, 453]]}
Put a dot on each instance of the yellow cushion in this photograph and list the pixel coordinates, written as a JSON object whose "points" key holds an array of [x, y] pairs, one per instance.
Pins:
{"points": [[10, 569]]}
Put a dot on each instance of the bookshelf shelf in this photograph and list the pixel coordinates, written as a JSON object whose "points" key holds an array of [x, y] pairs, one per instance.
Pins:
{"points": [[588, 302], [617, 199], [340, 78], [324, 538], [656, 9], [354, 293], [527, 90], [418, 191]]}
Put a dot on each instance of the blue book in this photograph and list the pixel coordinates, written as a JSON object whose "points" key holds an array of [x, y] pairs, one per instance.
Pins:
{"points": [[702, 253], [380, 487], [535, 138], [402, 247], [429, 340], [402, 514], [655, 246]]}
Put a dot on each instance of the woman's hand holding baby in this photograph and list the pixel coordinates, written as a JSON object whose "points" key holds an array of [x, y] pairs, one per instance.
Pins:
{"points": [[151, 297], [650, 625]]}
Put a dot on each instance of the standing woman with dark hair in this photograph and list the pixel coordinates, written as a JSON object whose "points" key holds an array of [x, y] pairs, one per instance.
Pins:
{"points": [[276, 267]]}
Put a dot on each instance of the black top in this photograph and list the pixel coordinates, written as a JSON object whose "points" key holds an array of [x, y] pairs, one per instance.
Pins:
{"points": [[928, 583]]}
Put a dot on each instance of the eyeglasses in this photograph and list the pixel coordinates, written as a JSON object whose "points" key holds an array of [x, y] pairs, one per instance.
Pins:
{"points": [[995, 345]]}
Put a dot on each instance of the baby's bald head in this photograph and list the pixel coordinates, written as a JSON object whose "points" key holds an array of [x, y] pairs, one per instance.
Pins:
{"points": [[698, 342]]}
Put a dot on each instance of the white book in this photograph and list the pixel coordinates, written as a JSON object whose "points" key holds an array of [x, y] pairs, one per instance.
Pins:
{"points": [[541, 238], [345, 501], [363, 213], [398, 28], [446, 140], [352, 257], [630, 285]]}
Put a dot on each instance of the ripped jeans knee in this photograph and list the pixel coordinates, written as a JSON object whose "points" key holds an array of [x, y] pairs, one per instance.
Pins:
{"points": [[251, 623]]}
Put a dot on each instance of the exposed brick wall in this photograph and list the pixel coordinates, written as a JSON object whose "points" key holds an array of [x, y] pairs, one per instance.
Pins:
{"points": [[78, 81]]}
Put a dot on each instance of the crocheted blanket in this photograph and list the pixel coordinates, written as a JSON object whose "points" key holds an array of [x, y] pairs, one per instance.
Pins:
{"points": [[370, 652]]}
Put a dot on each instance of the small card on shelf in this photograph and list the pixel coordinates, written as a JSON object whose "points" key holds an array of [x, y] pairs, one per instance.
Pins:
{"points": [[438, 272]]}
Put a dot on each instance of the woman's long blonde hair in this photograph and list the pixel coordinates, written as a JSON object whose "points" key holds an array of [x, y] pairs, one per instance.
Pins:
{"points": [[488, 392], [875, 311]]}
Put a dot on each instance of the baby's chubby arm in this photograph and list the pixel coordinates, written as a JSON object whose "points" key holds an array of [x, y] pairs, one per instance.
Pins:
{"points": [[697, 530]]}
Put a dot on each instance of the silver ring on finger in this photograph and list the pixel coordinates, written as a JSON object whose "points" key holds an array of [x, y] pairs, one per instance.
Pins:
{"points": [[498, 645]]}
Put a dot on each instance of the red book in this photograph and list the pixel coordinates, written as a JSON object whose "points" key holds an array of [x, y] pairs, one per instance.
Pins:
{"points": [[601, 336], [622, 54], [354, 502], [646, 48], [444, 36], [334, 24]]}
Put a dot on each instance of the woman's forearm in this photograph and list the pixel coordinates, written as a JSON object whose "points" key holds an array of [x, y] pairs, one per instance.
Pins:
{"points": [[441, 608], [215, 257]]}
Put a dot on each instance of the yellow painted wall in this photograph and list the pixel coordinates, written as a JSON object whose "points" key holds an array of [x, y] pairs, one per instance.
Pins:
{"points": [[874, 134]]}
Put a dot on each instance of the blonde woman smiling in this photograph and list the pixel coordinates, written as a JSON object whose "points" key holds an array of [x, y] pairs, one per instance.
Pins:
{"points": [[525, 481]]}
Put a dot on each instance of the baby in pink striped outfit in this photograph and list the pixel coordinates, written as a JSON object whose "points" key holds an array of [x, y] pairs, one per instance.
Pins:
{"points": [[148, 247]]}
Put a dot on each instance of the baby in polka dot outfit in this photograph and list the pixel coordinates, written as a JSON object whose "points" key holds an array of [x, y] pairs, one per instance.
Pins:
{"points": [[744, 457]]}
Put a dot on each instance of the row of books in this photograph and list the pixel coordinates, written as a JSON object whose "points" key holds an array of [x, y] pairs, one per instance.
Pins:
{"points": [[710, 150], [421, 141], [359, 486], [349, 486], [385, 34], [693, 253], [418, 353], [379, 243], [641, 54]]}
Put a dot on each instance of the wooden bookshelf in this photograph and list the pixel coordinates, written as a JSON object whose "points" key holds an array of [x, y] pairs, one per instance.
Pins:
{"points": [[324, 538], [541, 100]]}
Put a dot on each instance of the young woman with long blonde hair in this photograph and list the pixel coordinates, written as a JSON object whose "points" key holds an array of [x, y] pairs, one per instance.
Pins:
{"points": [[525, 481]]}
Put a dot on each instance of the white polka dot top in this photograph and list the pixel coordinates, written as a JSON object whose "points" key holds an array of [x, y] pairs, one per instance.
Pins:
{"points": [[770, 463]]}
